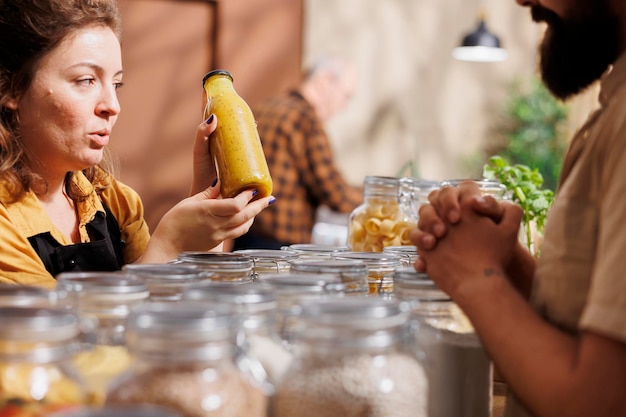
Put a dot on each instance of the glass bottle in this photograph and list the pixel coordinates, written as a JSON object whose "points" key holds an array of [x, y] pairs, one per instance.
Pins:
{"points": [[235, 144], [380, 267], [105, 299], [31, 296], [184, 359], [408, 253], [37, 376], [385, 217], [459, 371], [353, 357]]}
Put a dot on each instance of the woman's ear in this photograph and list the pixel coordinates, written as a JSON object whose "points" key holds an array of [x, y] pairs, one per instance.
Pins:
{"points": [[9, 102]]}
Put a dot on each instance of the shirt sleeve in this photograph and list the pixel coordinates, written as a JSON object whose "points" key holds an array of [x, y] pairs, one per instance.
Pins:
{"points": [[126, 206], [318, 168]]}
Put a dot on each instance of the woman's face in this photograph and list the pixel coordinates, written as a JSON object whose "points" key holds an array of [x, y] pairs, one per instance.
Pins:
{"points": [[66, 116]]}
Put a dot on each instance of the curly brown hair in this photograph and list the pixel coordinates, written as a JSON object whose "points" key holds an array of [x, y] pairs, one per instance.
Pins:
{"points": [[30, 29]]}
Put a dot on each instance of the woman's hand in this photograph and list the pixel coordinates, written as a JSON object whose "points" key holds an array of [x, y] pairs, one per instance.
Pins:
{"points": [[202, 222], [204, 171]]}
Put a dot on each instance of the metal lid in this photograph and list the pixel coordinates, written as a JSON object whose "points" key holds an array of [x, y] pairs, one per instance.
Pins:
{"points": [[25, 295], [217, 260], [330, 266], [373, 259], [103, 283], [138, 410], [216, 72], [37, 324]]}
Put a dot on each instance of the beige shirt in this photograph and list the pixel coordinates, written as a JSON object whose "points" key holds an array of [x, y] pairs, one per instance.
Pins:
{"points": [[580, 281]]}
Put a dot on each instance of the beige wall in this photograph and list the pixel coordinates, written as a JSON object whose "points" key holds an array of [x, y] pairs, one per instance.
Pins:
{"points": [[415, 102]]}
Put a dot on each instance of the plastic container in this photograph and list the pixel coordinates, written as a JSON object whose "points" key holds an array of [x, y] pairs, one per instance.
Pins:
{"points": [[386, 216], [459, 370], [353, 358], [235, 144], [352, 272], [184, 359], [223, 266], [37, 376], [380, 269], [166, 282], [105, 299]]}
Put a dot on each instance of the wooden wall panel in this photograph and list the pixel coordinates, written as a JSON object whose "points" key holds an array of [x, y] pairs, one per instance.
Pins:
{"points": [[167, 48]]}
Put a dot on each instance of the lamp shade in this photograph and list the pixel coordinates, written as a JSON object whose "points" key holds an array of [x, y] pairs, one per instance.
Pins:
{"points": [[481, 45]]}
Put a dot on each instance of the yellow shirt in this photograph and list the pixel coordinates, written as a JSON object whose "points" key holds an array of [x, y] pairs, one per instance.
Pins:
{"points": [[580, 283], [20, 264]]}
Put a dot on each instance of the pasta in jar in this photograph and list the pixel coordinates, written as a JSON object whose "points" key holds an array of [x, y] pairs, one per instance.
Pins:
{"points": [[385, 218]]}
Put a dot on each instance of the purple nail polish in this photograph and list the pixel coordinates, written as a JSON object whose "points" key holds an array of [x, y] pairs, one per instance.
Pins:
{"points": [[254, 193], [210, 119], [214, 182], [272, 200]]}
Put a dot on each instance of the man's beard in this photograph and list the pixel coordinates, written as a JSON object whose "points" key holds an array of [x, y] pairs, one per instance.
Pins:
{"points": [[577, 50]]}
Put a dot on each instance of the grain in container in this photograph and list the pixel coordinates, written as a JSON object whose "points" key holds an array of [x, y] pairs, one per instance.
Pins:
{"points": [[458, 368], [380, 269], [353, 357], [183, 358]]}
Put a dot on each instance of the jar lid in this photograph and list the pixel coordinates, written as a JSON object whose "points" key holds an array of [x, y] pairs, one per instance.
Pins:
{"points": [[37, 324], [28, 295], [373, 259], [248, 296], [304, 283], [411, 284], [330, 266], [217, 260], [369, 322], [144, 410], [216, 72], [313, 249], [488, 187], [166, 331], [103, 285], [269, 254], [172, 273]]}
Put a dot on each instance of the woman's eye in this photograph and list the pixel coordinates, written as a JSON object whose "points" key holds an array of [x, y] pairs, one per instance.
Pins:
{"points": [[118, 85], [86, 81]]}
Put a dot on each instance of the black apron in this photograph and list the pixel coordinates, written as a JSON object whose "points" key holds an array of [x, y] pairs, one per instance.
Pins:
{"points": [[103, 253]]}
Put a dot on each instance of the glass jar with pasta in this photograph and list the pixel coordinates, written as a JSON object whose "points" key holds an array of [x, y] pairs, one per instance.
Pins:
{"points": [[385, 217]]}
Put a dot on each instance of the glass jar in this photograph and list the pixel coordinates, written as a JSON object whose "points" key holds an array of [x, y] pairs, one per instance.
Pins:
{"points": [[353, 358], [257, 308], [37, 376], [184, 359], [144, 410], [223, 266], [166, 282], [311, 250], [408, 253], [353, 272], [385, 217], [380, 269], [294, 289], [269, 261], [31, 296], [459, 370], [105, 299], [235, 144], [487, 187]]}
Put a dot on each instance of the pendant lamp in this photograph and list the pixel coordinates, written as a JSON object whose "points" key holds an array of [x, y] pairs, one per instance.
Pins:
{"points": [[480, 45]]}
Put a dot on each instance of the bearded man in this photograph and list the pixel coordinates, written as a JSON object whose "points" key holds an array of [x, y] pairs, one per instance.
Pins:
{"points": [[555, 326]]}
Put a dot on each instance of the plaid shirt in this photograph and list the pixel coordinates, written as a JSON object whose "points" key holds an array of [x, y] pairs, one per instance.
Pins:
{"points": [[301, 164]]}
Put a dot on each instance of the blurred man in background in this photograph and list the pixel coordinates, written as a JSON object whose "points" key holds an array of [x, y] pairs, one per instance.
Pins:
{"points": [[300, 157]]}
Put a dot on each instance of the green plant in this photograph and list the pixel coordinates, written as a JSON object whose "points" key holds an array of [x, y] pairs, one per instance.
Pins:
{"points": [[525, 188], [532, 130]]}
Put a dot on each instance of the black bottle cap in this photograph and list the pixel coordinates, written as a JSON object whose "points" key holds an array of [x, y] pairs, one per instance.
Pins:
{"points": [[216, 72]]}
